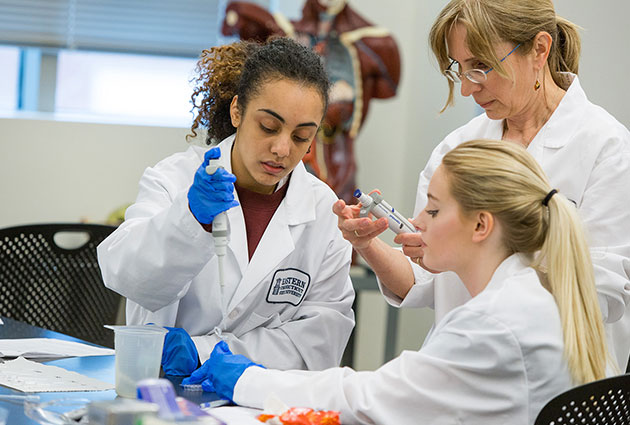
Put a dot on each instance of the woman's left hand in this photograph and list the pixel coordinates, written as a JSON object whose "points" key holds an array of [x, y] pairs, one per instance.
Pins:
{"points": [[412, 247], [221, 371], [359, 231]]}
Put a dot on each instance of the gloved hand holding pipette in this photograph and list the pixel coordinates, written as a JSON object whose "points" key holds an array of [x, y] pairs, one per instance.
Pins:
{"points": [[211, 194]]}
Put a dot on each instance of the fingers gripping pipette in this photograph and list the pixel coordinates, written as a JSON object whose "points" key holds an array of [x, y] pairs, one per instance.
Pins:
{"points": [[375, 204], [220, 230]]}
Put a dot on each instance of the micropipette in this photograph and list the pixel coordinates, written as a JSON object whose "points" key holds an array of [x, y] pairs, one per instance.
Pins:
{"points": [[220, 231], [375, 204]]}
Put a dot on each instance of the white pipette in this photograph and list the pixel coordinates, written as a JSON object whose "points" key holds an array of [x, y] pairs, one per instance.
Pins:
{"points": [[375, 204], [220, 232]]}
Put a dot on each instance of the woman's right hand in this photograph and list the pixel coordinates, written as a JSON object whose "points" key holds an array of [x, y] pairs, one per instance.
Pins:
{"points": [[211, 194], [359, 231]]}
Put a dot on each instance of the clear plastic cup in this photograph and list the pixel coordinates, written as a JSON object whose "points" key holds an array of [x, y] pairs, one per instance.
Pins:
{"points": [[4, 415], [138, 355]]}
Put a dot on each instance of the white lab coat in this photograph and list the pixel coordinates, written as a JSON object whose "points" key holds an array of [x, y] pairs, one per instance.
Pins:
{"points": [[489, 361], [585, 153], [290, 307]]}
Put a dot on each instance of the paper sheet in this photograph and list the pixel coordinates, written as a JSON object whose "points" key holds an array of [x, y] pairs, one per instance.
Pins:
{"points": [[237, 415], [32, 377], [35, 348]]}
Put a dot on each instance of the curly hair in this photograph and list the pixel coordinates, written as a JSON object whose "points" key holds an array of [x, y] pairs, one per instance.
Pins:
{"points": [[219, 69], [241, 69]]}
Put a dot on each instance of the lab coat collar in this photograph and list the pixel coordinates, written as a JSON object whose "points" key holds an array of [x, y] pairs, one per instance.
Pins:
{"points": [[558, 130], [283, 231], [238, 236], [513, 265], [226, 152], [281, 236], [300, 201]]}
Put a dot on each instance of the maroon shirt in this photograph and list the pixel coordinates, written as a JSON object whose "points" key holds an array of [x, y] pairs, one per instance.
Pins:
{"points": [[258, 210]]}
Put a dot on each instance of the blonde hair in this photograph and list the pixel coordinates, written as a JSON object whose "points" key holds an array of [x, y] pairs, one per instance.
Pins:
{"points": [[504, 179], [488, 22]]}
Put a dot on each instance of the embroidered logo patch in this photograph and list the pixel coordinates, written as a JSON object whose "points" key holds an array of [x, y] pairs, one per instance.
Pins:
{"points": [[288, 286]]}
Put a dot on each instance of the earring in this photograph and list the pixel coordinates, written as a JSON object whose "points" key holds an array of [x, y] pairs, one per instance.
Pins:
{"points": [[537, 85], [309, 149]]}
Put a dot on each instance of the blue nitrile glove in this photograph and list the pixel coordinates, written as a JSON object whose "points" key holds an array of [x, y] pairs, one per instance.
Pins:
{"points": [[221, 371], [210, 195], [201, 376], [179, 355]]}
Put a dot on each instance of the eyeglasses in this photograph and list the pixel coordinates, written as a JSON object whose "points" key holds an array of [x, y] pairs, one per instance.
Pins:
{"points": [[477, 76]]}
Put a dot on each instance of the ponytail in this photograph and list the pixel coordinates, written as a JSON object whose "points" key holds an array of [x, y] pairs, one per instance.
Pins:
{"points": [[567, 260], [565, 51], [504, 179]]}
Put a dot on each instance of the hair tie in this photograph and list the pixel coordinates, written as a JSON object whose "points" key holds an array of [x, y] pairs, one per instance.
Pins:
{"points": [[548, 197]]}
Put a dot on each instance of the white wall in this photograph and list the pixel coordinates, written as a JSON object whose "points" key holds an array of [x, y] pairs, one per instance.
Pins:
{"points": [[56, 171], [64, 171], [605, 59]]}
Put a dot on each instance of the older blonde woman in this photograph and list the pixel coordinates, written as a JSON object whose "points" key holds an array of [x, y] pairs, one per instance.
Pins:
{"points": [[519, 61]]}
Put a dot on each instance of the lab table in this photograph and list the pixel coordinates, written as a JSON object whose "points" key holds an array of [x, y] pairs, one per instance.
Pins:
{"points": [[98, 367]]}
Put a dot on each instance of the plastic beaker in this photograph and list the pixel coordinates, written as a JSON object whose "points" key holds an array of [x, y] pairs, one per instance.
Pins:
{"points": [[4, 415], [138, 355]]}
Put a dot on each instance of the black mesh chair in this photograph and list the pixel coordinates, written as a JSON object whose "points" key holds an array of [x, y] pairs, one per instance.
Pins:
{"points": [[49, 277], [606, 401]]}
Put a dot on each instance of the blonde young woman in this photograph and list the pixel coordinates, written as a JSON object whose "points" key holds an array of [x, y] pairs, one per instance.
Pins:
{"points": [[494, 220], [519, 61]]}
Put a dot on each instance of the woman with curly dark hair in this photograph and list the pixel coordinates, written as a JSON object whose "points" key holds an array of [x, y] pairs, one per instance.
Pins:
{"points": [[287, 297]]}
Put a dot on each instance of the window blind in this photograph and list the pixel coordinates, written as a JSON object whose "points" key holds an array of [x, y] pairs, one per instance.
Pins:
{"points": [[165, 27]]}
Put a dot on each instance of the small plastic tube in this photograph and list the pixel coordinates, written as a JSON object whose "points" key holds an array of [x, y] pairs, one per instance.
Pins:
{"points": [[191, 387]]}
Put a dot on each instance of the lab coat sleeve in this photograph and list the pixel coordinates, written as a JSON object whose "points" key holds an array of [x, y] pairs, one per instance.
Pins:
{"points": [[471, 371], [316, 336], [154, 255], [423, 292], [606, 216]]}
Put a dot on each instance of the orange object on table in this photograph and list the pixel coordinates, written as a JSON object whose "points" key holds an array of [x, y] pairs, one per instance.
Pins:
{"points": [[304, 416]]}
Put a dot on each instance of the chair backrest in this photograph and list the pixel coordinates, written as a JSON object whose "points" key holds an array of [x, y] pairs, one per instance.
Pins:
{"points": [[49, 277], [606, 401]]}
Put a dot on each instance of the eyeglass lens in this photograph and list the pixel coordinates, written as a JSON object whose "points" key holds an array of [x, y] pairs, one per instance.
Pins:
{"points": [[455, 75], [477, 76]]}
